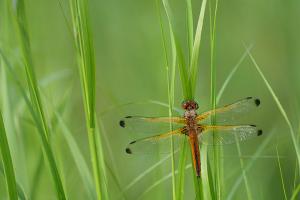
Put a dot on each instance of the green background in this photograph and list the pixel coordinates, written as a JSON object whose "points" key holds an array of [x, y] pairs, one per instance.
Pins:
{"points": [[130, 66]]}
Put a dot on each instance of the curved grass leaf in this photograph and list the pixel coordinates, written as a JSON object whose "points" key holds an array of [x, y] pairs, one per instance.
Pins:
{"points": [[281, 109], [7, 162], [170, 90], [196, 48], [86, 62], [18, 12]]}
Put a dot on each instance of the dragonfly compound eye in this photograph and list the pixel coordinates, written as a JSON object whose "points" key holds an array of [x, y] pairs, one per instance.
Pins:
{"points": [[189, 105]]}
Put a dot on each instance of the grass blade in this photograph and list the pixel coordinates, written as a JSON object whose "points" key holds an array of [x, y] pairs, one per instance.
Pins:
{"points": [[196, 48], [18, 11], [190, 28], [78, 157], [7, 162], [86, 61], [281, 175], [170, 90], [177, 50], [281, 109], [232, 73], [248, 166], [296, 193]]}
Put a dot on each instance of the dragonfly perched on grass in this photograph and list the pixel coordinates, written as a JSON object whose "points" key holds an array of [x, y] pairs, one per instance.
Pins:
{"points": [[193, 126]]}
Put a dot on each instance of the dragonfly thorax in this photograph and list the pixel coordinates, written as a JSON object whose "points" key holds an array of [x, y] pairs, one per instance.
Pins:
{"points": [[190, 114]]}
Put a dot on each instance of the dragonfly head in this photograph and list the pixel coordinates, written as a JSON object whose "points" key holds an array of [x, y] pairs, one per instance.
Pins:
{"points": [[189, 105]]}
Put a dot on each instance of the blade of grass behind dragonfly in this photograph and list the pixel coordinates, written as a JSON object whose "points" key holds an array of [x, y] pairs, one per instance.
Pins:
{"points": [[281, 109], [280, 171], [17, 9], [220, 93], [7, 162], [249, 164], [296, 193], [184, 146], [217, 150], [86, 62], [178, 51], [20, 190], [190, 27], [196, 48], [193, 74], [170, 88], [78, 157]]}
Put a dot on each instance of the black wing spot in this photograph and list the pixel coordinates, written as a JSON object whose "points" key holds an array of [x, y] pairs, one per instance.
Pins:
{"points": [[253, 125], [128, 150], [259, 132], [127, 117], [257, 102], [122, 123], [133, 142], [249, 97]]}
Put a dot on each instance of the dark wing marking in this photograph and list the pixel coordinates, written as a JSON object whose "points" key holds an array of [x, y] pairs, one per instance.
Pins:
{"points": [[232, 111], [151, 124], [158, 143]]}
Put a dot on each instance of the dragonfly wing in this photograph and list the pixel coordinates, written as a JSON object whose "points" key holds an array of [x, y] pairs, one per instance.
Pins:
{"points": [[220, 135], [140, 124], [156, 144], [232, 111]]}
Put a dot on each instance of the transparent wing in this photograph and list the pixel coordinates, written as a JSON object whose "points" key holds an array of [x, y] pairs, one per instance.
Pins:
{"points": [[232, 111], [140, 124], [156, 144], [227, 134]]}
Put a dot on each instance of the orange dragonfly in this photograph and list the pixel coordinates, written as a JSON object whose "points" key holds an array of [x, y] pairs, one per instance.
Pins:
{"points": [[193, 126]]}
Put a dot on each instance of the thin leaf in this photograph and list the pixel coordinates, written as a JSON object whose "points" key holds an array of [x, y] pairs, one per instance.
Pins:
{"points": [[18, 11], [281, 109], [250, 163], [86, 62], [281, 175], [296, 193], [196, 48], [7, 162], [170, 90]]}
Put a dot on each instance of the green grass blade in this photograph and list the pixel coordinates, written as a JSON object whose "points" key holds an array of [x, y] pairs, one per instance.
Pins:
{"points": [[196, 48], [296, 193], [181, 169], [160, 181], [20, 190], [219, 95], [86, 61], [281, 109], [190, 23], [245, 177], [250, 163], [232, 73], [217, 150], [136, 180], [177, 50], [170, 90], [281, 175], [80, 162], [7, 162], [18, 12]]}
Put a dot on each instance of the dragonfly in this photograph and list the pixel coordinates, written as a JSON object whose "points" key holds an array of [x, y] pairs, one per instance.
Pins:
{"points": [[195, 127]]}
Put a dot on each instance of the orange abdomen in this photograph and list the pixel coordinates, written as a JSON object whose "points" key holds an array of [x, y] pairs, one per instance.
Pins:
{"points": [[195, 151]]}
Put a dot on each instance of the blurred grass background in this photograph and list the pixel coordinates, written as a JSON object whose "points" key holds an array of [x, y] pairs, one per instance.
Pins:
{"points": [[130, 68]]}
